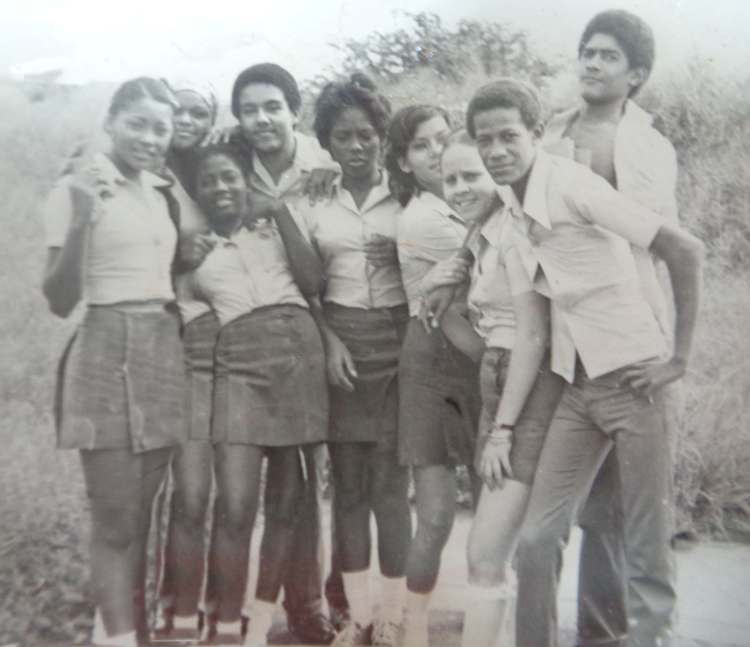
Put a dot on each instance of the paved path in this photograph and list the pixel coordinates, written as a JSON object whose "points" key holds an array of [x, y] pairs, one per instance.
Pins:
{"points": [[713, 590]]}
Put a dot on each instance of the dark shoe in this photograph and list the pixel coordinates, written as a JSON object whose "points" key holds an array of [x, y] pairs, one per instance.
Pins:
{"points": [[312, 629]]}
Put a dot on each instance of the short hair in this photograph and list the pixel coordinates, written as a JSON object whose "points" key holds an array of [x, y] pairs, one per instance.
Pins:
{"points": [[506, 93], [401, 131], [271, 74], [632, 34], [356, 92], [204, 153], [143, 87], [459, 137]]}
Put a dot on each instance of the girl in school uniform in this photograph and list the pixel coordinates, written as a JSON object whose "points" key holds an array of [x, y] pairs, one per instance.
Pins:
{"points": [[506, 313], [192, 464], [112, 234], [270, 395], [439, 400], [364, 314]]}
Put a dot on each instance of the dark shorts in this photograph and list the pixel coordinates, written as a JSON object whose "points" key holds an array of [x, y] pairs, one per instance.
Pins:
{"points": [[269, 379], [374, 338], [533, 423], [439, 400], [122, 382], [199, 340]]}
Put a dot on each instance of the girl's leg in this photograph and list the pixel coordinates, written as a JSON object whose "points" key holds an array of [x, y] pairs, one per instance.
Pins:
{"points": [[115, 484], [435, 487], [237, 469], [492, 542], [389, 483], [352, 518], [287, 490], [184, 553], [154, 466]]}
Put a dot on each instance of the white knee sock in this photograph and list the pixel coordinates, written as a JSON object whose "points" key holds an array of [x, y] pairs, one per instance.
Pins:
{"points": [[186, 622], [261, 619], [392, 591], [229, 628], [415, 619], [357, 589], [485, 618]]}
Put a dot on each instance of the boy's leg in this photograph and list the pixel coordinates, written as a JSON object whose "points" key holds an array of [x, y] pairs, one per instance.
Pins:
{"points": [[573, 452], [303, 584], [645, 468], [602, 614]]}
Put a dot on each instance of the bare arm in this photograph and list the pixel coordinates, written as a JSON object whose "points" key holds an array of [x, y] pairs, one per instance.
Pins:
{"points": [[63, 275], [340, 366], [304, 261], [532, 339], [683, 256]]}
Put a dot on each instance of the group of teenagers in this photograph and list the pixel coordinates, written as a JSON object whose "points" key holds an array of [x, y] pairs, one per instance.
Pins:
{"points": [[394, 296]]}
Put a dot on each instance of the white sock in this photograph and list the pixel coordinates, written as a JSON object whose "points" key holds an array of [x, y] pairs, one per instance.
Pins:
{"points": [[357, 589], [261, 618], [229, 628], [486, 613], [99, 635], [186, 622], [392, 591], [417, 605]]}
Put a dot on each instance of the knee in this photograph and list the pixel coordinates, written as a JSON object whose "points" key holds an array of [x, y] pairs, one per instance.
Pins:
{"points": [[117, 527], [434, 525], [236, 517], [189, 507], [536, 542], [485, 568]]}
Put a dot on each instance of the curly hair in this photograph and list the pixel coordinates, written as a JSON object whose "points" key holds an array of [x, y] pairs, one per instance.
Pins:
{"points": [[506, 93], [403, 127], [204, 153], [356, 92], [631, 33]]}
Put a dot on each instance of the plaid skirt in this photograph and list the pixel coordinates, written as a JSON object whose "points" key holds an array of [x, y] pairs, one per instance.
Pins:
{"points": [[199, 341], [121, 382], [439, 400], [269, 379], [374, 338]]}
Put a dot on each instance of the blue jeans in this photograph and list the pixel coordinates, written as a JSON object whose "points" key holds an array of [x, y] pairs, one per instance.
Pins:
{"points": [[594, 417]]}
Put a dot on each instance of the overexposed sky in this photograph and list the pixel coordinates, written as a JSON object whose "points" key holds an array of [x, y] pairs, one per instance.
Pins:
{"points": [[213, 41]]}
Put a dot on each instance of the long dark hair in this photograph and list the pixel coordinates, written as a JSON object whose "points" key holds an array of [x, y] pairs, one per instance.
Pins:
{"points": [[400, 133]]}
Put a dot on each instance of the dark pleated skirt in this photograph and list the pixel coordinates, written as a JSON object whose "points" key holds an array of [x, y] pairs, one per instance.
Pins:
{"points": [[199, 340], [374, 338], [122, 381], [439, 400], [269, 379]]}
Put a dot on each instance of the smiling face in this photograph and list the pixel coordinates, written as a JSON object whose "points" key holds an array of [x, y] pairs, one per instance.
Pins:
{"points": [[505, 144], [604, 71], [221, 189], [467, 186], [265, 118], [192, 120], [140, 133], [422, 157], [355, 144]]}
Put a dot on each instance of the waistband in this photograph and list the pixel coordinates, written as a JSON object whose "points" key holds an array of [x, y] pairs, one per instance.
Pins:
{"points": [[135, 307]]}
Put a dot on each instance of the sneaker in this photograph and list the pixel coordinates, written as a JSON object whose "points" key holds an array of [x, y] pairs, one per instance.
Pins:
{"points": [[386, 633], [339, 616], [353, 634], [414, 633]]}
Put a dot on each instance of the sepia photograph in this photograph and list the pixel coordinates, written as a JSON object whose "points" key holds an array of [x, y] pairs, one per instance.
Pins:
{"points": [[367, 322]]}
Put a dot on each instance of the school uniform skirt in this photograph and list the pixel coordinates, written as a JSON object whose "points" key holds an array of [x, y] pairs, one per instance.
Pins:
{"points": [[121, 382], [199, 340], [374, 338], [269, 379], [439, 400]]}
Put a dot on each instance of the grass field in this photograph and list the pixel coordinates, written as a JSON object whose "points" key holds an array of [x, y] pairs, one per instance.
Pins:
{"points": [[43, 518]]}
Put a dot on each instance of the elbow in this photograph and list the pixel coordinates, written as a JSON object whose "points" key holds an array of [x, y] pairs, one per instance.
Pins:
{"points": [[58, 306]]}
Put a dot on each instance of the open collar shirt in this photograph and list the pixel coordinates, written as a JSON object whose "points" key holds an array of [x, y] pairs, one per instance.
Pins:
{"points": [[572, 235]]}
